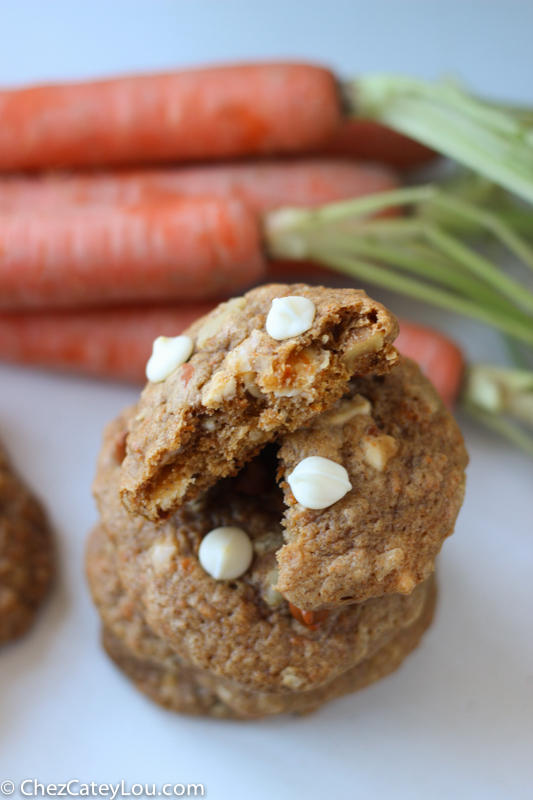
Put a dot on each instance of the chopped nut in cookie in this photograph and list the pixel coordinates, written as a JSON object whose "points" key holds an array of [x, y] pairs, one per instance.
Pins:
{"points": [[378, 450]]}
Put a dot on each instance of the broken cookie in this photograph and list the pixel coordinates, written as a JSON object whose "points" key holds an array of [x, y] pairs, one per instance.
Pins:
{"points": [[242, 388], [404, 459]]}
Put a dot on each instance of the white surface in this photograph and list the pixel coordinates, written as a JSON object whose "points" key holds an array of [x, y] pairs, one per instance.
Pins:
{"points": [[456, 719]]}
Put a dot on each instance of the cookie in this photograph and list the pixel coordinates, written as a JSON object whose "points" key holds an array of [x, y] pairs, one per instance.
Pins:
{"points": [[177, 685], [405, 459], [26, 563], [242, 388], [179, 690], [238, 630]]}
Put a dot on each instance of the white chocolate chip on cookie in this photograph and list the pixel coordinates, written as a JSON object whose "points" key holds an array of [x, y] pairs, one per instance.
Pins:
{"points": [[167, 355], [290, 316], [226, 553], [318, 482]]}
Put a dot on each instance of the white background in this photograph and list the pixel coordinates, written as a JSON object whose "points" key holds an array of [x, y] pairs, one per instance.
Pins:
{"points": [[456, 719]]}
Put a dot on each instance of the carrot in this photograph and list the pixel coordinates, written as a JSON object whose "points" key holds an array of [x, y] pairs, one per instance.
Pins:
{"points": [[116, 342], [185, 249], [61, 245], [310, 619], [264, 186], [438, 357], [364, 138], [220, 112], [105, 343]]}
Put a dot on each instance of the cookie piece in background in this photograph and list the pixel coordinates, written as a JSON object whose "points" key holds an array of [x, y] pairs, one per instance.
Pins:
{"points": [[261, 365], [26, 554], [405, 458]]}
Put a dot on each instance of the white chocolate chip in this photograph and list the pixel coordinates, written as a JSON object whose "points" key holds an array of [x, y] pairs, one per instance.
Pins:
{"points": [[226, 553], [318, 482], [290, 316], [378, 450], [167, 355]]}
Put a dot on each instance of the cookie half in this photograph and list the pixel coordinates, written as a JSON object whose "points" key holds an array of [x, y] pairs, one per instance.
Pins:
{"points": [[242, 388], [405, 460]]}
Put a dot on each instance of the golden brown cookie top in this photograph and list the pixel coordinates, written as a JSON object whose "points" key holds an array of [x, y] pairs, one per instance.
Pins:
{"points": [[242, 388], [404, 459]]}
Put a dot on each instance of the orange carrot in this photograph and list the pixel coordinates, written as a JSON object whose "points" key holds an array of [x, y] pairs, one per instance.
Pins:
{"points": [[136, 237], [199, 114], [106, 343], [438, 357], [186, 249], [116, 342], [361, 138], [264, 185]]}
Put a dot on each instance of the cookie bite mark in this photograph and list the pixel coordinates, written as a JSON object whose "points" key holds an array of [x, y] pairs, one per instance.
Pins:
{"points": [[404, 458], [242, 388]]}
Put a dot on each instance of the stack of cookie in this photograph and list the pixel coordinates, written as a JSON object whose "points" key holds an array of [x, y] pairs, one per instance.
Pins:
{"points": [[272, 507]]}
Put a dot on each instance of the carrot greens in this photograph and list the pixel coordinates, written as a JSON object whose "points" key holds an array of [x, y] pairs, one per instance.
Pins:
{"points": [[493, 139], [431, 254]]}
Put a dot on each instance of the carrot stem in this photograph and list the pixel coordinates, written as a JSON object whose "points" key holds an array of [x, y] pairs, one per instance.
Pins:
{"points": [[426, 263], [486, 137], [480, 266], [338, 235], [492, 222], [513, 432], [390, 280]]}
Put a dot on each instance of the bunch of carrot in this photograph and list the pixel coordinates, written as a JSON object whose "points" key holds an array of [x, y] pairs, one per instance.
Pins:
{"points": [[167, 234], [109, 236]]}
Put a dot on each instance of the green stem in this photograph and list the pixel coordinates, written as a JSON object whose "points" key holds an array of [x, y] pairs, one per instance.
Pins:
{"points": [[513, 432], [487, 138], [430, 267], [412, 288], [489, 221], [480, 266]]}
